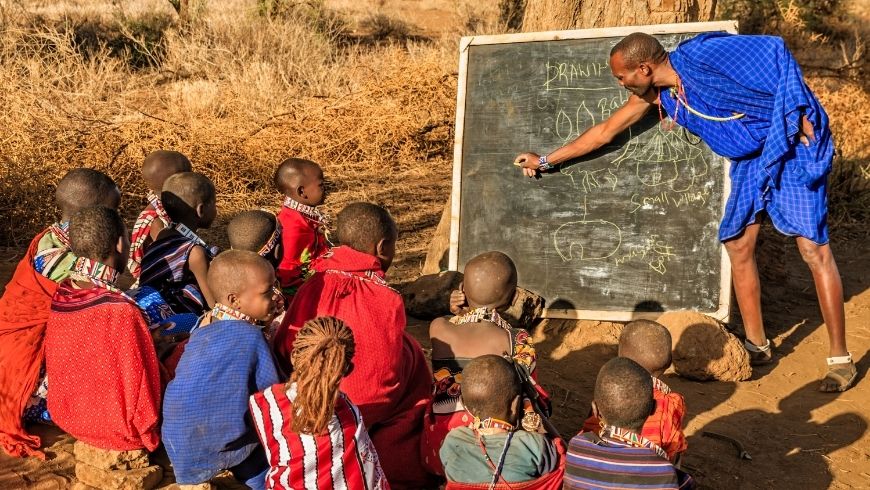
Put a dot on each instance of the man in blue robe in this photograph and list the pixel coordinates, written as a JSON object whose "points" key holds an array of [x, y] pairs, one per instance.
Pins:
{"points": [[745, 96]]}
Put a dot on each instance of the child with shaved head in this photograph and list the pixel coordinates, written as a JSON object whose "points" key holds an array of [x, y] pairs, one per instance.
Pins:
{"points": [[489, 284], [390, 379], [100, 359], [303, 225], [158, 166], [492, 395], [206, 424], [648, 343], [257, 231], [176, 264], [25, 305], [619, 456]]}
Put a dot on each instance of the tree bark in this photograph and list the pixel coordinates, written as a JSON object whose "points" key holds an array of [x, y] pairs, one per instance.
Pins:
{"points": [[547, 15]]}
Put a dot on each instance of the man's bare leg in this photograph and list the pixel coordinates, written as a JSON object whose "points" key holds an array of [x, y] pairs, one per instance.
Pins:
{"points": [[747, 285], [829, 289]]}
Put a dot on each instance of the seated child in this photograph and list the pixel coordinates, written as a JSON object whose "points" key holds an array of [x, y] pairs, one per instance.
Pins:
{"points": [[390, 381], [489, 284], [25, 305], [206, 424], [257, 231], [303, 226], [158, 166], [648, 343], [620, 456], [311, 415], [492, 394], [176, 264], [99, 356]]}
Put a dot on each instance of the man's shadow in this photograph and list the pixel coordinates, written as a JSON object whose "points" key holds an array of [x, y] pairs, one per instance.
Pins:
{"points": [[789, 448]]}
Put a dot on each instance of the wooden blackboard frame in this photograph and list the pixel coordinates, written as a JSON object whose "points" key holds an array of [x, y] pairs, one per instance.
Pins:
{"points": [[724, 311]]}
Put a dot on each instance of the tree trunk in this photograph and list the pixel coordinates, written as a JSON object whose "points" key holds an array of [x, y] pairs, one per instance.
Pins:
{"points": [[549, 15]]}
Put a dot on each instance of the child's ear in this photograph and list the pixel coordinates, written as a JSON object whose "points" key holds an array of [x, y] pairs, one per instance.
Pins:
{"points": [[233, 300], [381, 247], [300, 191], [119, 247], [595, 411], [199, 210]]}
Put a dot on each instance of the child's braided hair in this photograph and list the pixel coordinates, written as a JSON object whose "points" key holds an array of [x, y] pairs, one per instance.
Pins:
{"points": [[322, 356]]}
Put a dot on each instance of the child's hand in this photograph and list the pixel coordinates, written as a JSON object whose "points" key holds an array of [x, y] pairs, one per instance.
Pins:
{"points": [[457, 301]]}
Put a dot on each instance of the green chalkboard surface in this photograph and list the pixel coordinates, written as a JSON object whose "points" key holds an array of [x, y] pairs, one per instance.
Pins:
{"points": [[629, 229]]}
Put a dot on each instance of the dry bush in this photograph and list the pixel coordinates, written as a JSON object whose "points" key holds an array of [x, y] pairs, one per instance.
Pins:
{"points": [[237, 97]]}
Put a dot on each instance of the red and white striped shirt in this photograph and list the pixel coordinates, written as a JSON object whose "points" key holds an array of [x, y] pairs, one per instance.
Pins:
{"points": [[342, 458]]}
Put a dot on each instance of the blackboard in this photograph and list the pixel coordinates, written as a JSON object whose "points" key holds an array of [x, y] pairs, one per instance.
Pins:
{"points": [[626, 232]]}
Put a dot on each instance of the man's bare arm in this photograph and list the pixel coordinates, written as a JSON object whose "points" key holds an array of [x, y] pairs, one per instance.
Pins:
{"points": [[595, 137]]}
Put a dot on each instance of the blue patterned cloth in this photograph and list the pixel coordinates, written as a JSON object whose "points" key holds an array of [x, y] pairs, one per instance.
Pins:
{"points": [[158, 312], [206, 424], [771, 170]]}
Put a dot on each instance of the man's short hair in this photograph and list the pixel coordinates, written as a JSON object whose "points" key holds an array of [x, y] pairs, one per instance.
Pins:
{"points": [[639, 47], [94, 232], [83, 188], [647, 343], [362, 225], [489, 385], [250, 230], [623, 394], [184, 192]]}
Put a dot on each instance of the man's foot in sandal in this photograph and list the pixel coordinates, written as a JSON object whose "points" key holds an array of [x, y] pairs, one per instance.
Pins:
{"points": [[841, 374], [759, 355]]}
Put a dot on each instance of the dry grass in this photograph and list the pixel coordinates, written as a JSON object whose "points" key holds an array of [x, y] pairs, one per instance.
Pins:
{"points": [[238, 92]]}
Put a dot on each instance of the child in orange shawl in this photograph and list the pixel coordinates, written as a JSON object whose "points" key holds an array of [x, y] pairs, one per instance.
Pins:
{"points": [[649, 344], [25, 305], [390, 382]]}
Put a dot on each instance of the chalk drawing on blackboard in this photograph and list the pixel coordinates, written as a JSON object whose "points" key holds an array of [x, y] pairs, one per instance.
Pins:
{"points": [[587, 239], [666, 160]]}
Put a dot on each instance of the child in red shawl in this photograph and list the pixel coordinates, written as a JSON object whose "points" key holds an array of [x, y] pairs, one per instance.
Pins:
{"points": [[390, 380], [489, 285], [303, 225], [158, 166], [25, 305], [648, 343], [99, 356]]}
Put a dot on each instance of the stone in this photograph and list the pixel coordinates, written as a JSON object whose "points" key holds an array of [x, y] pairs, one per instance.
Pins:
{"points": [[136, 479], [525, 310], [439, 246], [704, 349], [428, 297], [110, 460]]}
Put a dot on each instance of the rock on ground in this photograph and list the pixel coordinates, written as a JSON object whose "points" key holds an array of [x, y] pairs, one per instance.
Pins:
{"points": [[136, 479], [429, 296], [110, 460], [525, 310], [704, 349]]}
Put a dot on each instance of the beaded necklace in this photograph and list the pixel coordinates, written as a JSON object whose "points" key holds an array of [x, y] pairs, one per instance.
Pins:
{"points": [[224, 312], [367, 276], [310, 212], [482, 314], [98, 274], [192, 236], [157, 204], [272, 242], [660, 385], [61, 231], [633, 439]]}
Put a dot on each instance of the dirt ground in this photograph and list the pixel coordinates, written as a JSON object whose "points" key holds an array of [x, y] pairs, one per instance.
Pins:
{"points": [[797, 437]]}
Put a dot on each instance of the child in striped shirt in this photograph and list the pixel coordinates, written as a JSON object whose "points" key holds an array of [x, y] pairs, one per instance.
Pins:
{"points": [[619, 456], [313, 434]]}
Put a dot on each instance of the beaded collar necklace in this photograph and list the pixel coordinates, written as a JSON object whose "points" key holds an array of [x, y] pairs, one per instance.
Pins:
{"points": [[272, 242], [98, 274], [633, 439], [224, 312], [61, 231], [482, 314], [310, 212], [157, 204], [192, 236]]}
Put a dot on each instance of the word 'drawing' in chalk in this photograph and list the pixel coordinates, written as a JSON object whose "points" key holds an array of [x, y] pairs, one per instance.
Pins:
{"points": [[627, 231]]}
